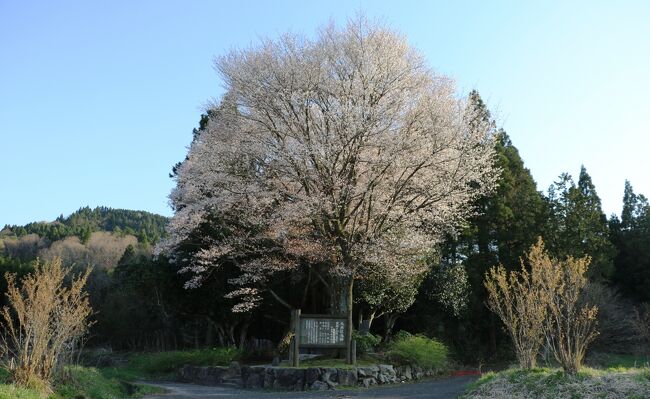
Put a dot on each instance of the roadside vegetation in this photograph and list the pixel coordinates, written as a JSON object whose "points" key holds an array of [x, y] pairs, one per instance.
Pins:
{"points": [[419, 350], [165, 364], [553, 383], [546, 304], [77, 382], [46, 320]]}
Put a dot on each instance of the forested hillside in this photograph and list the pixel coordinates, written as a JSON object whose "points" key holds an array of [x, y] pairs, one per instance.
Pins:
{"points": [[145, 226]]}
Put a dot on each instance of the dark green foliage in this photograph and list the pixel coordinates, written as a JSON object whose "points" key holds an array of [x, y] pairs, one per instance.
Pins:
{"points": [[147, 307], [631, 235], [366, 343], [132, 312], [401, 335], [203, 123], [162, 364], [577, 225], [14, 266]]}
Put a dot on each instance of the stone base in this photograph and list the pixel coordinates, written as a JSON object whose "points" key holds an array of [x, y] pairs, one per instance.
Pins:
{"points": [[297, 379]]}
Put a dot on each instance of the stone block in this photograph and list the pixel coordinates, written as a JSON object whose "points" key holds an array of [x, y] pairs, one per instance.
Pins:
{"points": [[347, 377]]}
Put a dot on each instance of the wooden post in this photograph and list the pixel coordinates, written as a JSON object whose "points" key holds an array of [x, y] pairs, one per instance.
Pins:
{"points": [[292, 344], [348, 343], [354, 352], [295, 326]]}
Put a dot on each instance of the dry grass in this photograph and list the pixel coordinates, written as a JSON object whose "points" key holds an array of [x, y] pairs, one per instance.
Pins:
{"points": [[554, 384]]}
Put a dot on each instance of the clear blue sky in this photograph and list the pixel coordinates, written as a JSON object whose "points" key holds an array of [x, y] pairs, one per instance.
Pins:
{"points": [[98, 98]]}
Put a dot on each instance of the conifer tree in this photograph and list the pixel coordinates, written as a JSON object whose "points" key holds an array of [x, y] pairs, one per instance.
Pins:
{"points": [[577, 225], [631, 236]]}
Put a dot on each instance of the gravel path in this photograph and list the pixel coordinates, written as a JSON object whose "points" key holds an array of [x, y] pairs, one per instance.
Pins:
{"points": [[448, 388]]}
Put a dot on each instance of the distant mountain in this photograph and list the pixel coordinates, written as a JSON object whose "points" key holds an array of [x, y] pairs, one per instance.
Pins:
{"points": [[146, 226]]}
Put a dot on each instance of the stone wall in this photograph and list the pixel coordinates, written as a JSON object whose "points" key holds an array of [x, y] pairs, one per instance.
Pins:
{"points": [[300, 379]]}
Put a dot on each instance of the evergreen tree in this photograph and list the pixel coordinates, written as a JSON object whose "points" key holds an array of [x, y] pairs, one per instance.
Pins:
{"points": [[631, 236], [577, 225]]}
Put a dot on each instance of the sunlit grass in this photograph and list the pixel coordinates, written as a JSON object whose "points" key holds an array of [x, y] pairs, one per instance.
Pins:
{"points": [[554, 383], [422, 351], [79, 382]]}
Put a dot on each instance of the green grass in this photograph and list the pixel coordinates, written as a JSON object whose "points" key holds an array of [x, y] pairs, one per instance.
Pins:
{"points": [[90, 383], [81, 382], [645, 374], [619, 361], [10, 391], [95, 384], [420, 350], [164, 364], [337, 363]]}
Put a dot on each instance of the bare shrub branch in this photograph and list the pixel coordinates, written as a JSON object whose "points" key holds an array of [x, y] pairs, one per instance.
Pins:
{"points": [[46, 319], [516, 298], [570, 324], [546, 302]]}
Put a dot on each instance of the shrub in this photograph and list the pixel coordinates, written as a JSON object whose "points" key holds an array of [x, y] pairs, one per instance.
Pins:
{"points": [[570, 324], [420, 350], [45, 322], [401, 335], [517, 298], [366, 343], [546, 303]]}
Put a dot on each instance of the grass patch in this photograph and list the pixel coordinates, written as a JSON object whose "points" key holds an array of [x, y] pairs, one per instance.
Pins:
{"points": [[553, 383], [337, 363], [90, 383], [420, 350], [81, 382], [619, 361], [164, 364], [484, 379], [10, 391]]}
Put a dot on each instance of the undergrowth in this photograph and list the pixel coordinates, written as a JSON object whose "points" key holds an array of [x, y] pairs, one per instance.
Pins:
{"points": [[554, 383], [164, 364]]}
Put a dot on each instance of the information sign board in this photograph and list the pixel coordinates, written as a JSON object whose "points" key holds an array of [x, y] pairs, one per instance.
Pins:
{"points": [[322, 331]]}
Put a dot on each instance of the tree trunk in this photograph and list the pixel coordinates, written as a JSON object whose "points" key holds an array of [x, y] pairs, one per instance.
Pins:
{"points": [[339, 295], [243, 334], [371, 318], [341, 303], [390, 320], [348, 332], [209, 336]]}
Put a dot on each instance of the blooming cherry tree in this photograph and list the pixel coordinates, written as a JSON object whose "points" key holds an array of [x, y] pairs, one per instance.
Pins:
{"points": [[345, 149]]}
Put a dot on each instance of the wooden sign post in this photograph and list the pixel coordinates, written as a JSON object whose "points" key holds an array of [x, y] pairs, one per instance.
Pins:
{"points": [[295, 326]]}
